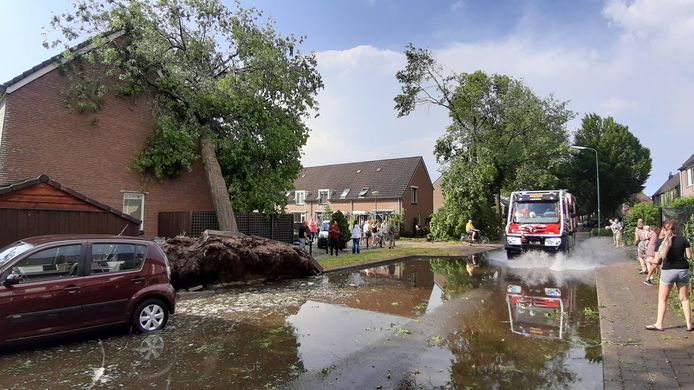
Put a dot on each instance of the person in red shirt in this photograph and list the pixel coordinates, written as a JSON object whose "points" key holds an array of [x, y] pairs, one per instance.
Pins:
{"points": [[334, 237]]}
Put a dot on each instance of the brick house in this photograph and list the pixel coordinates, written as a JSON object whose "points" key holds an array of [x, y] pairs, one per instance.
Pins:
{"points": [[365, 188], [438, 194], [92, 154], [687, 178], [669, 191]]}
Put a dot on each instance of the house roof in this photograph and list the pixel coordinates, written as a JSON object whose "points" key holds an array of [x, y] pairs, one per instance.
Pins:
{"points": [[389, 178], [50, 64], [671, 183], [18, 185], [688, 163]]}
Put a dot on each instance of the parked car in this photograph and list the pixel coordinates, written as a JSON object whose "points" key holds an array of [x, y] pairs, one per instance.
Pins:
{"points": [[63, 284]]}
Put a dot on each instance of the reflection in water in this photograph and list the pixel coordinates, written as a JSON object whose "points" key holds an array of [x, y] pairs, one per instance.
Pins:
{"points": [[450, 323]]}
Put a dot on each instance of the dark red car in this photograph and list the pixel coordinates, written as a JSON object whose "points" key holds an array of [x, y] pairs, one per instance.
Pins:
{"points": [[61, 284]]}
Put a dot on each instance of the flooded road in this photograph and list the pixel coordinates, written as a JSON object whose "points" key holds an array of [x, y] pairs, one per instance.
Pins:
{"points": [[479, 322]]}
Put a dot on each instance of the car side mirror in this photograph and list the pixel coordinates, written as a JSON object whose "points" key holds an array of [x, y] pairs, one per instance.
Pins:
{"points": [[12, 279]]}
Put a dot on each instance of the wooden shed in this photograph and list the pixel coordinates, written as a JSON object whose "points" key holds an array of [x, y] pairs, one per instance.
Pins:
{"points": [[42, 206]]}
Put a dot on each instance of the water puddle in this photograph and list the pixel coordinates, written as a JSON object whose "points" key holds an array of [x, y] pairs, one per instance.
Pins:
{"points": [[423, 323]]}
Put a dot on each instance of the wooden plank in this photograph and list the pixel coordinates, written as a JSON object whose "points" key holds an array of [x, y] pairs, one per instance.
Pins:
{"points": [[49, 206]]}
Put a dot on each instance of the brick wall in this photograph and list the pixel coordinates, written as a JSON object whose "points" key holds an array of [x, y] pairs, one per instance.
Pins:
{"points": [[420, 211], [91, 154]]}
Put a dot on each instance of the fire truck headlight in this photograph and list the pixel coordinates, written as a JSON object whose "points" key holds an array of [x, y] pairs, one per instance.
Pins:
{"points": [[513, 240], [553, 241]]}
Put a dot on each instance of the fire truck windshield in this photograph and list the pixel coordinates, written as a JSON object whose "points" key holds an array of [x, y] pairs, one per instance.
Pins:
{"points": [[536, 212]]}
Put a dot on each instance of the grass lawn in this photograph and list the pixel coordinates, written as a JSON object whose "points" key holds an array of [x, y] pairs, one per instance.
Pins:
{"points": [[381, 254]]}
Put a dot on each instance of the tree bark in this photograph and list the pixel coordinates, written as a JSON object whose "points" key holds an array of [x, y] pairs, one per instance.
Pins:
{"points": [[218, 188]]}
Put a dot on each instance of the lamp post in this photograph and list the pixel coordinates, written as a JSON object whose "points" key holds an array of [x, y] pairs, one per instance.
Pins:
{"points": [[597, 175], [375, 194]]}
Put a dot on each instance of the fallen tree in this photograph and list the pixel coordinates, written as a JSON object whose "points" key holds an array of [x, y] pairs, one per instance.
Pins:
{"points": [[213, 260]]}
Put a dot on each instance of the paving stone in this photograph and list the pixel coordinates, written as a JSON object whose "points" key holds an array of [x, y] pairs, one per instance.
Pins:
{"points": [[637, 385], [614, 385]]}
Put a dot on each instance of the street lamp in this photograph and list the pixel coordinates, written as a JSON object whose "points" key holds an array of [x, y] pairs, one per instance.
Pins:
{"points": [[597, 175], [375, 194]]}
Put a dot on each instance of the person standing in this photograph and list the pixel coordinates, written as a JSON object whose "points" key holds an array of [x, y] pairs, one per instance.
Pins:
{"points": [[676, 254], [654, 240], [303, 235], [313, 228], [367, 232], [356, 236], [334, 238], [640, 240]]}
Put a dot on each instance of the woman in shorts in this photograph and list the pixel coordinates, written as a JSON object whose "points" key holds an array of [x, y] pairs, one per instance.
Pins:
{"points": [[676, 254], [641, 240]]}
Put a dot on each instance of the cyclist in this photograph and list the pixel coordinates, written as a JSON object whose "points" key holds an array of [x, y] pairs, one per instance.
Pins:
{"points": [[472, 230]]}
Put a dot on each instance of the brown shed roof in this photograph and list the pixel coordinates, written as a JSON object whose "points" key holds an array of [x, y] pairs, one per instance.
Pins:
{"points": [[44, 179], [389, 177]]}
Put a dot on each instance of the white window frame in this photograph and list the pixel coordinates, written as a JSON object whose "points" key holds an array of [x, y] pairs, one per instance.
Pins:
{"points": [[327, 196], [302, 197], [414, 197], [345, 192], [690, 177], [136, 195]]}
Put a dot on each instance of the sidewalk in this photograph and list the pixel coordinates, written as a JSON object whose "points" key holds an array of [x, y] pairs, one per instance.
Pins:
{"points": [[633, 357]]}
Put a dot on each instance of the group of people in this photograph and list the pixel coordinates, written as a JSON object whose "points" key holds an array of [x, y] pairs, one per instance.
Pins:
{"points": [[665, 249], [372, 232], [616, 225]]}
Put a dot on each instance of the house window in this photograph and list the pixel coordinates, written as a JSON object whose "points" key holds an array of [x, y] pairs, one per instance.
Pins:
{"points": [[690, 177], [363, 192], [323, 196], [300, 197], [134, 206], [344, 193], [414, 194], [299, 217]]}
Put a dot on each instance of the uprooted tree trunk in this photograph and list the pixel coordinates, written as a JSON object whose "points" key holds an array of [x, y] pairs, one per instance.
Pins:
{"points": [[218, 188], [213, 260]]}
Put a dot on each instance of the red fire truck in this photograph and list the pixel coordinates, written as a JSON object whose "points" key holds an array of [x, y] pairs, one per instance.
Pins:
{"points": [[541, 220]]}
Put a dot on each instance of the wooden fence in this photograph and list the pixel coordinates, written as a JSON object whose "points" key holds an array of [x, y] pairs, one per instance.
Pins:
{"points": [[16, 224], [276, 227]]}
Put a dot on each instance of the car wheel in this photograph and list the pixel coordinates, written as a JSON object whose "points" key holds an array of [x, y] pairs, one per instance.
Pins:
{"points": [[150, 316]]}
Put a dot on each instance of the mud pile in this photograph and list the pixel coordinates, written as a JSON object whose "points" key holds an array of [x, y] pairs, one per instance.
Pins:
{"points": [[214, 260]]}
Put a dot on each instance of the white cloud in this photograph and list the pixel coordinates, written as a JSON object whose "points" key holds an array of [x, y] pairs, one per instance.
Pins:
{"points": [[644, 80]]}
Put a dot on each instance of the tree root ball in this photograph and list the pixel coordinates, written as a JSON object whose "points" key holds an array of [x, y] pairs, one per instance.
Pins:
{"points": [[213, 260]]}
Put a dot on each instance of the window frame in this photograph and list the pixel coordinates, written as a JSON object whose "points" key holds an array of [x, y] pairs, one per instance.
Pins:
{"points": [[414, 197], [303, 197], [690, 177], [26, 256], [130, 195], [325, 191]]}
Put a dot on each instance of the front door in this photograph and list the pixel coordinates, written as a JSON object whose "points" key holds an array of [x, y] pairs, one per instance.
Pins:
{"points": [[48, 298], [115, 275]]}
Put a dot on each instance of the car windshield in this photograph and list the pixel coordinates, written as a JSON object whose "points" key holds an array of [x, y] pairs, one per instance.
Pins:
{"points": [[325, 226], [11, 251], [536, 212]]}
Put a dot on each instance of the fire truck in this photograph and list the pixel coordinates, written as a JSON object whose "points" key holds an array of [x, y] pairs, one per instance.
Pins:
{"points": [[541, 220]]}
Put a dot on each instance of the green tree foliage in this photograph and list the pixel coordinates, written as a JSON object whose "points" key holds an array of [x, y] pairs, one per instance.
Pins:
{"points": [[216, 77], [624, 165], [502, 138], [649, 212], [342, 223]]}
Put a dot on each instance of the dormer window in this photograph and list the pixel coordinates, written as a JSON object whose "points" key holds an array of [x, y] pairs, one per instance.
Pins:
{"points": [[300, 197], [323, 196], [363, 192], [344, 193]]}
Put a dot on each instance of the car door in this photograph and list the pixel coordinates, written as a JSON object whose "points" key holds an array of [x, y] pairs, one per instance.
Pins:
{"points": [[115, 275], [47, 299]]}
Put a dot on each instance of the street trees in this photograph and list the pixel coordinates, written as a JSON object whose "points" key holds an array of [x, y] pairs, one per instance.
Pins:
{"points": [[225, 88], [502, 137], [624, 164]]}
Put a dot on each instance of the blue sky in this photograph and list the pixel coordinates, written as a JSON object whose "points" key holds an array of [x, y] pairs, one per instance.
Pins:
{"points": [[631, 59]]}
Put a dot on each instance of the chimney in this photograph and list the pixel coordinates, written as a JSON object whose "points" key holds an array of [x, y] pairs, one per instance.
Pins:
{"points": [[669, 175]]}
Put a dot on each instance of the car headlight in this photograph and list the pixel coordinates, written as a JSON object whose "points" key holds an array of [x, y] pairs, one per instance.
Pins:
{"points": [[513, 240], [553, 241]]}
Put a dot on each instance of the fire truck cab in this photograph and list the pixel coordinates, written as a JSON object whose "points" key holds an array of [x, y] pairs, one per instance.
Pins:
{"points": [[541, 220]]}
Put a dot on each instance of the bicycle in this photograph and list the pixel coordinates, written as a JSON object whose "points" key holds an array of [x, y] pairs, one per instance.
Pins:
{"points": [[481, 238]]}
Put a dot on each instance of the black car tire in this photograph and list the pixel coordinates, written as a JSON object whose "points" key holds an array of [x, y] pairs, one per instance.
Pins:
{"points": [[150, 316]]}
